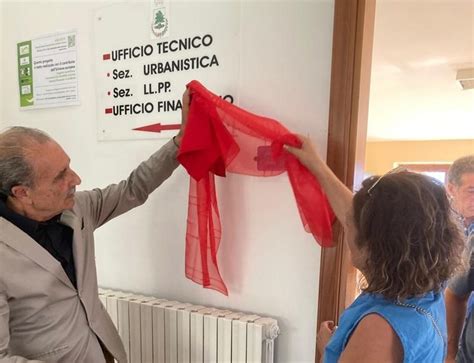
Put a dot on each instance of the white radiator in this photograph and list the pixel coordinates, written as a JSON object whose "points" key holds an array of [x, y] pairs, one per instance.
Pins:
{"points": [[156, 330]]}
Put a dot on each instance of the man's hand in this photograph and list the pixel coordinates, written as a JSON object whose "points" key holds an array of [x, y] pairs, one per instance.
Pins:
{"points": [[184, 116]]}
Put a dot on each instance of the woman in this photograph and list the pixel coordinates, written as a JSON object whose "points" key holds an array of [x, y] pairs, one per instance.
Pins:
{"points": [[404, 239]]}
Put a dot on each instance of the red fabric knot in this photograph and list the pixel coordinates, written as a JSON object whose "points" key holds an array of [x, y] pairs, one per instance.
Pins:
{"points": [[206, 146]]}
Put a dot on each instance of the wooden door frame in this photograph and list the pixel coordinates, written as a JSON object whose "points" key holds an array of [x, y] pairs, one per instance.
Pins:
{"points": [[347, 131]]}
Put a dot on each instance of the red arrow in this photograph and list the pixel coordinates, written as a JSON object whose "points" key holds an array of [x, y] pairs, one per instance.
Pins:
{"points": [[158, 127]]}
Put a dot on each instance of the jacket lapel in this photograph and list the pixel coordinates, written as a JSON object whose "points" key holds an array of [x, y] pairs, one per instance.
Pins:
{"points": [[24, 244]]}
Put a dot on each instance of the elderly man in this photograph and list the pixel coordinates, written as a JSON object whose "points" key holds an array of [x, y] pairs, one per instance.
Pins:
{"points": [[461, 189], [49, 305]]}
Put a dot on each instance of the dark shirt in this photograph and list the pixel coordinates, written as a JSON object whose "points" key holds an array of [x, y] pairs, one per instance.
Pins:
{"points": [[52, 235]]}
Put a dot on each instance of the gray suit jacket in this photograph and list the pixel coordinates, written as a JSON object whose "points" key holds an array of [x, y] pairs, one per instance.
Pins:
{"points": [[42, 316]]}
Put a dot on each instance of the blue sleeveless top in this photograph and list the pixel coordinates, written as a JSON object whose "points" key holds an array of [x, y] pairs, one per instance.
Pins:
{"points": [[419, 322]]}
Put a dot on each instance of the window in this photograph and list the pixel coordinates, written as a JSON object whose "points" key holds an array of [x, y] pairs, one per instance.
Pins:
{"points": [[436, 170]]}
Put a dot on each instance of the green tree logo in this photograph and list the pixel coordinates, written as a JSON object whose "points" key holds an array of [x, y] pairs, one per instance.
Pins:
{"points": [[160, 20]]}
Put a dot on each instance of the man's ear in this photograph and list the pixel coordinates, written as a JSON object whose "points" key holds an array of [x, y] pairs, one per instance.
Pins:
{"points": [[20, 192], [452, 189]]}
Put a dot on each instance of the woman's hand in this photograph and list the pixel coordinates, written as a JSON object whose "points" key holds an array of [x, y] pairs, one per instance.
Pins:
{"points": [[306, 154], [339, 195], [326, 330]]}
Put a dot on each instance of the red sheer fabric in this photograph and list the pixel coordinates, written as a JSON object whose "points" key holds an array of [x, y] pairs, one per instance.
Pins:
{"points": [[221, 137]]}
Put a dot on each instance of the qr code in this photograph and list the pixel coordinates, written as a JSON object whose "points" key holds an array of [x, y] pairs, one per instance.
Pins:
{"points": [[71, 41]]}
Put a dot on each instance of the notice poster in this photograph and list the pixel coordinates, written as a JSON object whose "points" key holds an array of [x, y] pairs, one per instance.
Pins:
{"points": [[140, 81], [47, 71]]}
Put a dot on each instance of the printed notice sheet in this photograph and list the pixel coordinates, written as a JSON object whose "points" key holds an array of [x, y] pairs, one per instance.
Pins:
{"points": [[47, 71]]}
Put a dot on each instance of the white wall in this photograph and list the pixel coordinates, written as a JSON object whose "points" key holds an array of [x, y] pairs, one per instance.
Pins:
{"points": [[271, 266]]}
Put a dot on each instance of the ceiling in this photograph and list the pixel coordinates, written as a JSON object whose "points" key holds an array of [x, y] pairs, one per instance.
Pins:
{"points": [[418, 47]]}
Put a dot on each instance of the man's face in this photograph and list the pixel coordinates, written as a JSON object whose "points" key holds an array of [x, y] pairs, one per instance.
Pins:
{"points": [[55, 182], [463, 196]]}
